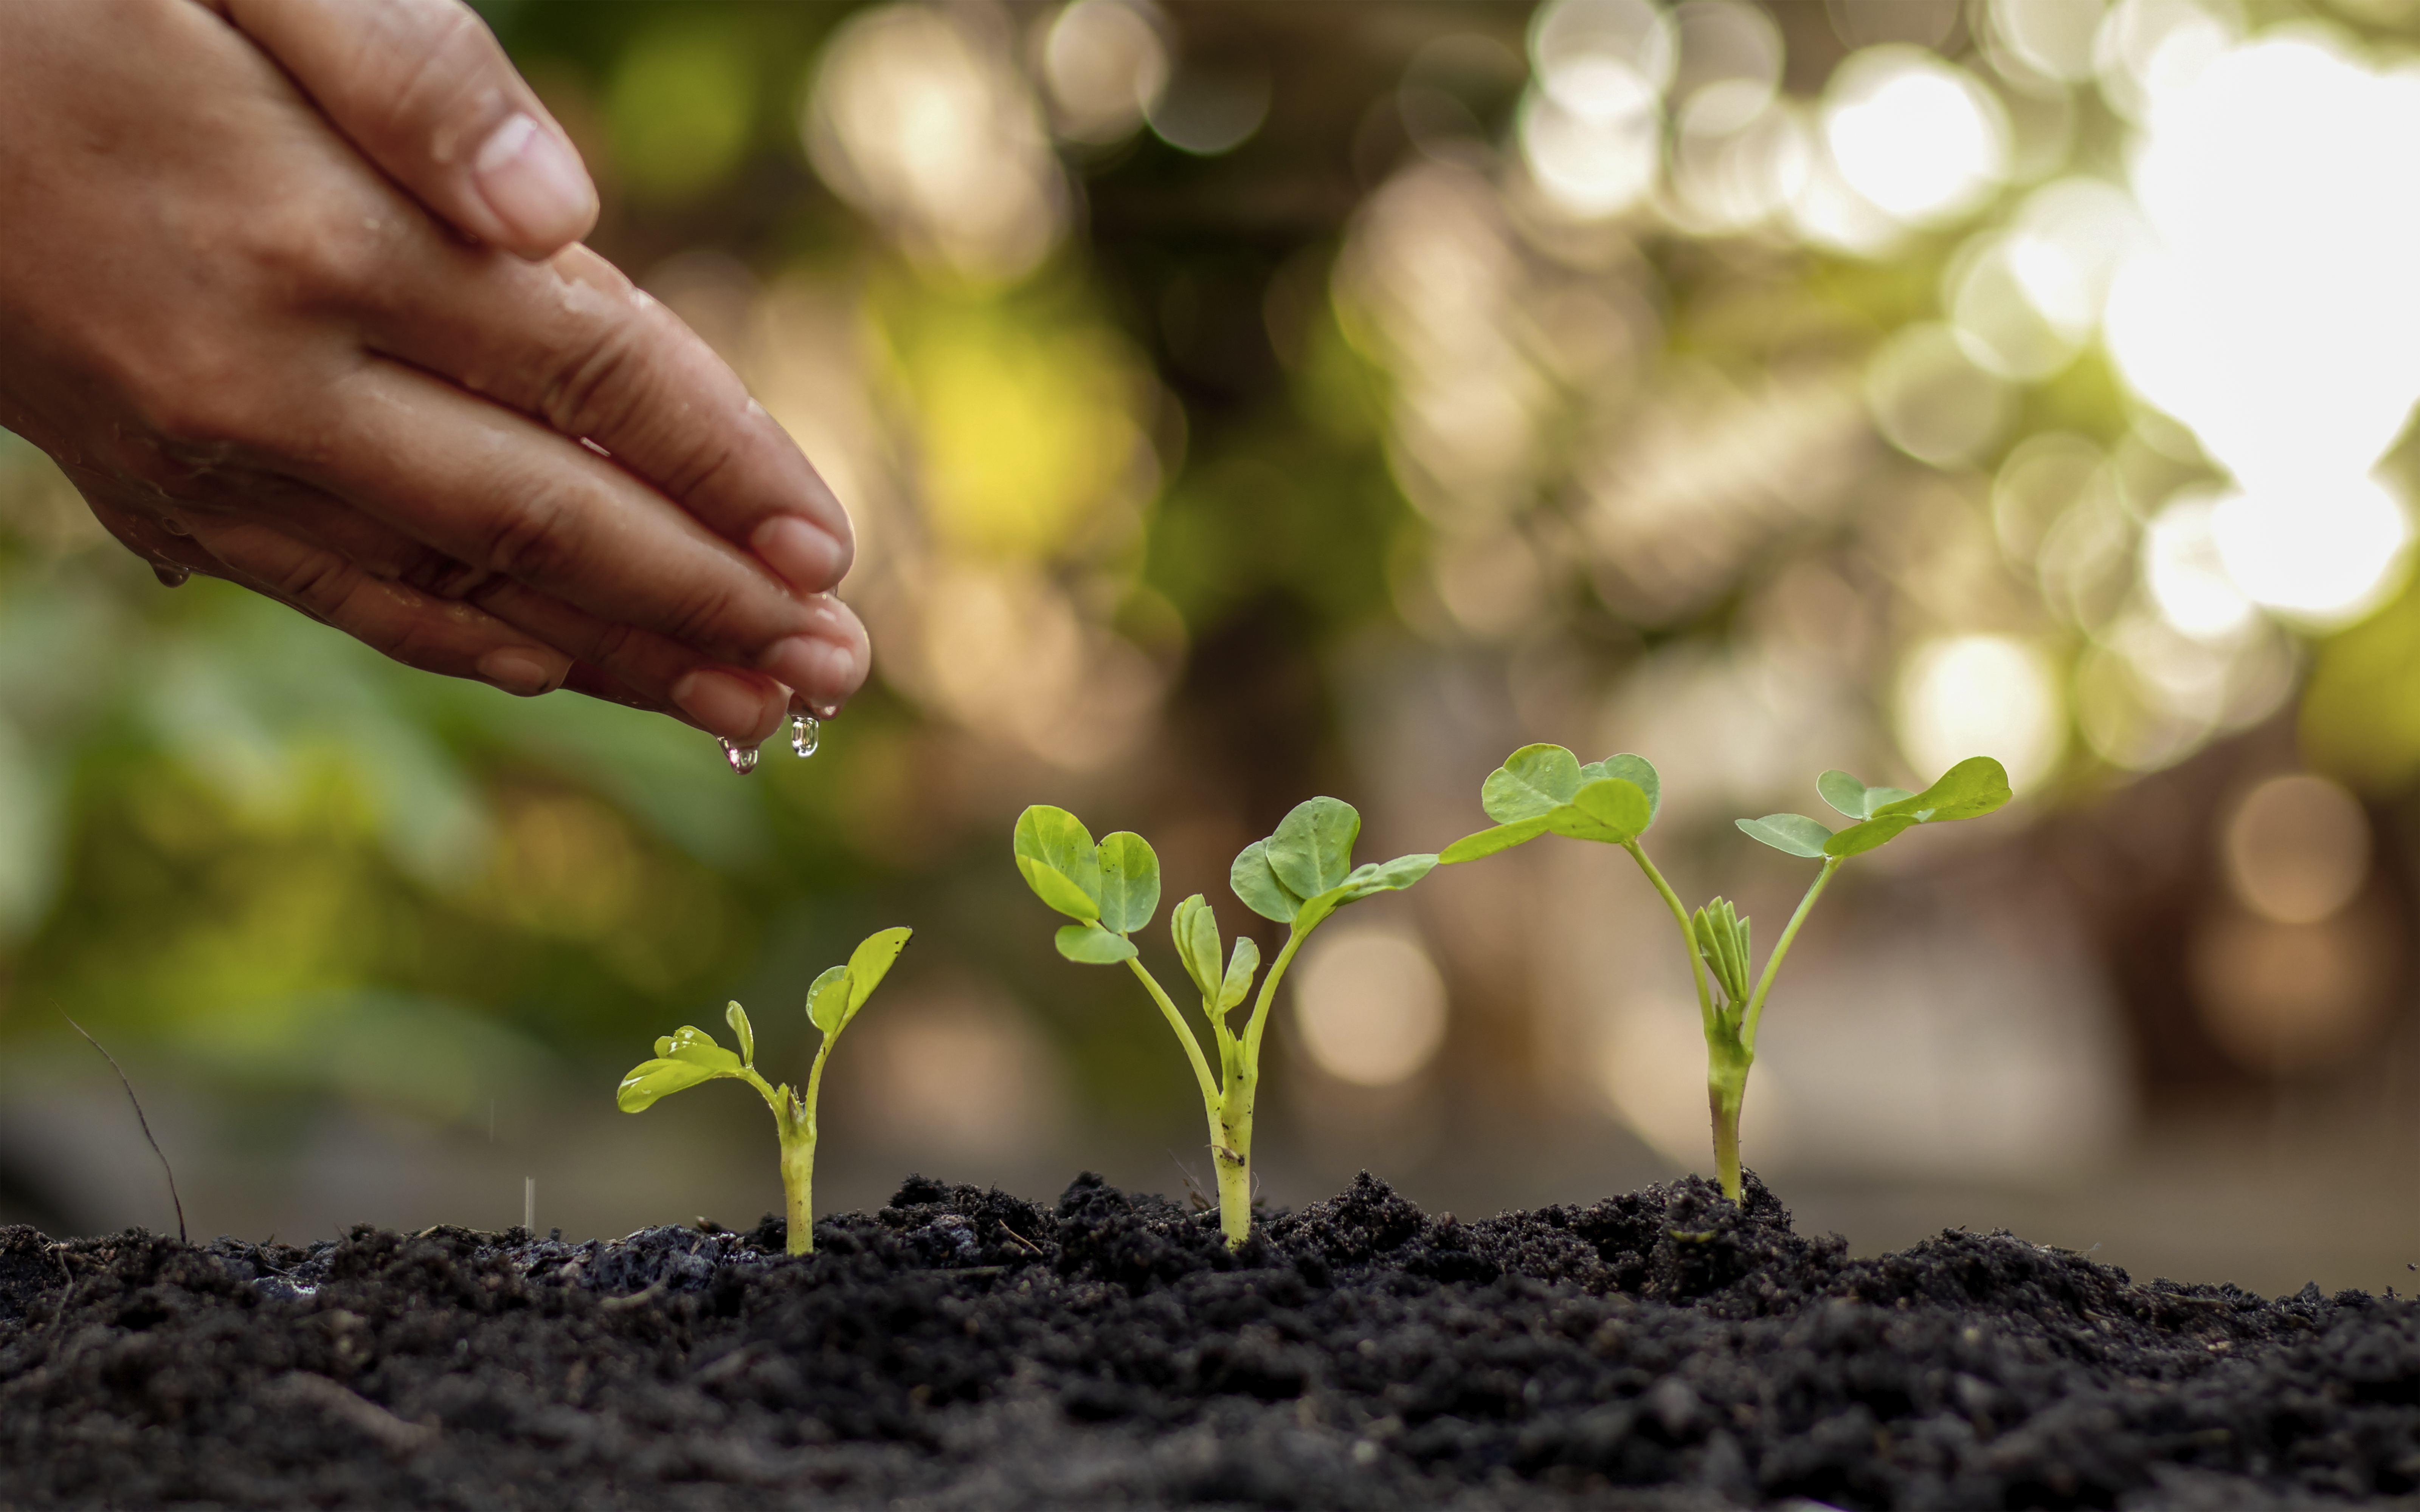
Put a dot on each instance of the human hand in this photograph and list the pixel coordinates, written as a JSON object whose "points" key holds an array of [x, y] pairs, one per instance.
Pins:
{"points": [[260, 360]]}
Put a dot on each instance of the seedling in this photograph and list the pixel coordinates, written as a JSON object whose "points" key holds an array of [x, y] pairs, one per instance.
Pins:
{"points": [[1297, 877], [1544, 789], [685, 1058]]}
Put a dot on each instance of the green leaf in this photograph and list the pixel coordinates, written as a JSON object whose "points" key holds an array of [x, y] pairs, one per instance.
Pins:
{"points": [[1092, 945], [1611, 810], [1056, 853], [828, 999], [1196, 931], [1859, 839], [1532, 782], [1843, 793], [696, 1047], [1488, 842], [1129, 882], [1974, 787], [1257, 886], [743, 1031], [1240, 967], [651, 1079], [1385, 876], [1722, 937], [1636, 770], [870, 962], [1313, 848], [1792, 832]]}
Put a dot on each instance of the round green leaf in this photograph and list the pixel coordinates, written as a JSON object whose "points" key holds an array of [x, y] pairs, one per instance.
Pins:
{"points": [[694, 1045], [1974, 787], [870, 962], [1385, 876], [1636, 770], [1792, 832], [1489, 841], [828, 1000], [1056, 853], [1843, 793], [1257, 886], [1313, 848], [1240, 967], [1092, 945], [1532, 782], [651, 1079], [1129, 882]]}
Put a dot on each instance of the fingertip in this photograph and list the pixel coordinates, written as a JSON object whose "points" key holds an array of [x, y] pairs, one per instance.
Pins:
{"points": [[532, 179], [800, 553], [525, 671], [728, 705]]}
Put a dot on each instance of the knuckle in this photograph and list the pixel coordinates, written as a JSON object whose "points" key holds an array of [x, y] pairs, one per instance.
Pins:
{"points": [[429, 86], [593, 387], [533, 540]]}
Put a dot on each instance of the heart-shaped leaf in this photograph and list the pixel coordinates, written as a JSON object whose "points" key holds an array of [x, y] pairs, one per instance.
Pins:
{"points": [[1312, 849], [1238, 983], [1092, 945], [1792, 832], [743, 1031], [651, 1079], [1257, 886], [1532, 782], [1129, 882], [870, 962], [1969, 790], [1636, 770], [828, 999], [1859, 839], [1056, 853], [1196, 932]]}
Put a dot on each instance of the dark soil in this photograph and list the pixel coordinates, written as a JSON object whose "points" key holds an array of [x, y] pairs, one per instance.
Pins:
{"points": [[966, 1348]]}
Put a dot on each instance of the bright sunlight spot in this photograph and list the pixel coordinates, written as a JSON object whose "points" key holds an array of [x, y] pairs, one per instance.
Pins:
{"points": [[1982, 693], [1370, 1004], [2323, 554], [1592, 132], [1918, 137]]}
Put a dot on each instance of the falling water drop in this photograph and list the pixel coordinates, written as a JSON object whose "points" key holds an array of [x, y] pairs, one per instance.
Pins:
{"points": [[742, 758], [805, 733], [170, 575]]}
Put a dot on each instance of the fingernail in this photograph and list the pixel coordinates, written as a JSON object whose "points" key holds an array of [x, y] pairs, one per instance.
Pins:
{"points": [[725, 705], [534, 182], [518, 673], [821, 671], [805, 556]]}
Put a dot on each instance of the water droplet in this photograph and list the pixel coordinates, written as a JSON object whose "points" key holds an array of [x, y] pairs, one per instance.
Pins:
{"points": [[169, 575], [742, 758], [804, 733]]}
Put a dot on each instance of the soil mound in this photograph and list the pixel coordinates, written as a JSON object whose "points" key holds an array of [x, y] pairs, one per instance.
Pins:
{"points": [[967, 1349]]}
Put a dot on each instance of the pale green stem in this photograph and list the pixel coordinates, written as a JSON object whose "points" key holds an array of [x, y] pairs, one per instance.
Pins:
{"points": [[1184, 1032], [1780, 949], [794, 1120], [1688, 934]]}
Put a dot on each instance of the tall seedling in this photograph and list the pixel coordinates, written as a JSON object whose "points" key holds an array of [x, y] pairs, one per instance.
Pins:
{"points": [[1297, 877], [1543, 789], [685, 1058]]}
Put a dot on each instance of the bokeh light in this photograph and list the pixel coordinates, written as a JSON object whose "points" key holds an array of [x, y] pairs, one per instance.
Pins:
{"points": [[1105, 64], [2297, 848], [1987, 694], [1370, 1005], [1918, 137]]}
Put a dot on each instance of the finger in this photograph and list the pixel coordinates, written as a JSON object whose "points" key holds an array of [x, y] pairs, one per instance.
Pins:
{"points": [[576, 343], [512, 500], [423, 89], [644, 669], [395, 619]]}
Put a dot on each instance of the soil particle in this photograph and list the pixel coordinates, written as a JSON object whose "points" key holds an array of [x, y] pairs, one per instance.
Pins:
{"points": [[967, 1349]]}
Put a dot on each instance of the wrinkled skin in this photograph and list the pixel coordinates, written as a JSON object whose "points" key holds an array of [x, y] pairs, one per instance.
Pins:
{"points": [[291, 289]]}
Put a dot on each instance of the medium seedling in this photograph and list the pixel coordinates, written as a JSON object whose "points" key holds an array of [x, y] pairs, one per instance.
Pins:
{"points": [[1297, 877], [692, 1056], [1543, 789]]}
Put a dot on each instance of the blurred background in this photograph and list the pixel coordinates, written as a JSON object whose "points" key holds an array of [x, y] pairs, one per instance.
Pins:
{"points": [[1244, 401]]}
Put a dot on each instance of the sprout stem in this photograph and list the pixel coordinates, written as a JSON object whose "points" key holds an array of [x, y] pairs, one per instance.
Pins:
{"points": [[1184, 1032], [1780, 949], [1688, 935]]}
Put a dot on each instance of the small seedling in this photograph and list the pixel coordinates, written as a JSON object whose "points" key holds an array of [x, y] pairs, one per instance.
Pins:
{"points": [[1297, 877], [1543, 789], [692, 1056]]}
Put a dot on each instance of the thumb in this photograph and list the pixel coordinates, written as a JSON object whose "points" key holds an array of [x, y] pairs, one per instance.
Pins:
{"points": [[424, 90]]}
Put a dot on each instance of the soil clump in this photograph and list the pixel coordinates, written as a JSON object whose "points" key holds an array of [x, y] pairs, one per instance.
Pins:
{"points": [[963, 1348]]}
